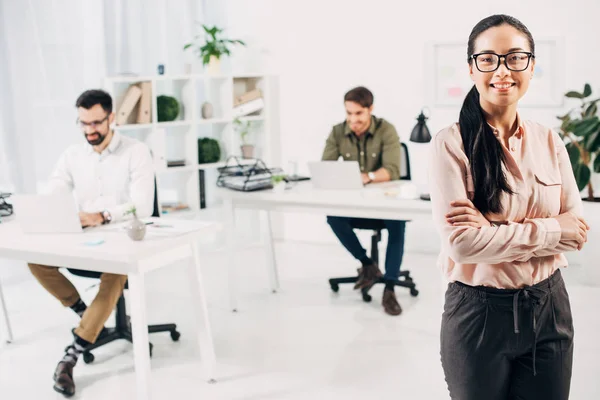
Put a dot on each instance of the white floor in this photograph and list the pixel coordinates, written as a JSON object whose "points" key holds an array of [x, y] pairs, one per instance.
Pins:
{"points": [[302, 343]]}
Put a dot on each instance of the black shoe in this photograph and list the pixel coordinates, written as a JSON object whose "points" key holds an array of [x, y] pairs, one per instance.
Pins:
{"points": [[63, 379]]}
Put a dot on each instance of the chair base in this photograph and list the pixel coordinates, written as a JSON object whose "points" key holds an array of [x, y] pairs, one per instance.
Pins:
{"points": [[112, 334], [404, 280]]}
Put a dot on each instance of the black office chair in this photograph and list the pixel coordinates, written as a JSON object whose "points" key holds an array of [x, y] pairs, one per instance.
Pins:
{"points": [[122, 329], [404, 280]]}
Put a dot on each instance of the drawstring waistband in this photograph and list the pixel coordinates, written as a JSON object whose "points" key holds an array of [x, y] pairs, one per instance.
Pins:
{"points": [[531, 294], [527, 293]]}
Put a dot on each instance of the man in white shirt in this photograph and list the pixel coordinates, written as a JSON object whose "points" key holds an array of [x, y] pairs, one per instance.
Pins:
{"points": [[108, 175]]}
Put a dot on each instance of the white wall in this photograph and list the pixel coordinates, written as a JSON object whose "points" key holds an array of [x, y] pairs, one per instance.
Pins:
{"points": [[323, 48]]}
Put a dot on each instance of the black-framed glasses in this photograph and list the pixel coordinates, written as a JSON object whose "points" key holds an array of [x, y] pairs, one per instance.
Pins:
{"points": [[514, 61], [92, 124]]}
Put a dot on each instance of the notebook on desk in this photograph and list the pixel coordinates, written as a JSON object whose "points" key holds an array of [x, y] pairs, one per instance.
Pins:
{"points": [[54, 213], [336, 175]]}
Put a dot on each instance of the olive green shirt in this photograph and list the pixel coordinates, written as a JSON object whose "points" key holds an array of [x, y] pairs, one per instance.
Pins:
{"points": [[378, 147]]}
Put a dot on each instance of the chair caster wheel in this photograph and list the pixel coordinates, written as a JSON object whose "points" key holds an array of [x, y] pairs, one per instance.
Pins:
{"points": [[414, 292], [367, 297], [88, 358], [335, 287], [151, 346], [175, 336]]}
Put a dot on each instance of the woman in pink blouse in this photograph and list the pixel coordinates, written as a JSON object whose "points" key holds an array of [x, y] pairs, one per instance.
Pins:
{"points": [[507, 206]]}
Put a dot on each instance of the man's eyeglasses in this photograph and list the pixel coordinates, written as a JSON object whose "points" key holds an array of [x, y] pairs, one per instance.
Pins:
{"points": [[92, 124], [514, 61]]}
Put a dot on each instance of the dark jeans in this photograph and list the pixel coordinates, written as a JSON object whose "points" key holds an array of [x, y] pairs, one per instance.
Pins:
{"points": [[343, 229], [501, 344]]}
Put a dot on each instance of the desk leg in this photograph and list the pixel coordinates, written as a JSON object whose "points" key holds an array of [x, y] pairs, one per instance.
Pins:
{"points": [[229, 219], [270, 253], [6, 320], [205, 340], [139, 327]]}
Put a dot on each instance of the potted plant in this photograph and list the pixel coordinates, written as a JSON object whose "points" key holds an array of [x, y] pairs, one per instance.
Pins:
{"points": [[136, 229], [209, 151], [213, 49], [580, 130], [278, 182], [243, 128]]}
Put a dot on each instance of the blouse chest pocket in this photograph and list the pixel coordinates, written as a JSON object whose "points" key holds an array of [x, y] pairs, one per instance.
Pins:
{"points": [[548, 191]]}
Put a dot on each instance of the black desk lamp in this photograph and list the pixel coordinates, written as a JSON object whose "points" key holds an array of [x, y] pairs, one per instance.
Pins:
{"points": [[420, 134]]}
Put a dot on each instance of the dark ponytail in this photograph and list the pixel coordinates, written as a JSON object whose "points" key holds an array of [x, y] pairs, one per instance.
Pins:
{"points": [[483, 150], [485, 155]]}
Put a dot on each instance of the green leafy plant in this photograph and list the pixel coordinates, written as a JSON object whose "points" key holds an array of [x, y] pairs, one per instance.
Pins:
{"points": [[276, 179], [243, 128], [209, 151], [167, 108], [213, 45], [132, 211], [580, 129]]}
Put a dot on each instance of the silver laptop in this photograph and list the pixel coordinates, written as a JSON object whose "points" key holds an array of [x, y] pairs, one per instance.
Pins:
{"points": [[335, 175], [54, 213]]}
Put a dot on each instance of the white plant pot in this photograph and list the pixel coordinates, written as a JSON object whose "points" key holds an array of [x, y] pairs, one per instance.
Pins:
{"points": [[214, 66], [279, 187]]}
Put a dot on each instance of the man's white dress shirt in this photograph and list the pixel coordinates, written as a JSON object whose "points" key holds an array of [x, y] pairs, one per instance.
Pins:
{"points": [[120, 177]]}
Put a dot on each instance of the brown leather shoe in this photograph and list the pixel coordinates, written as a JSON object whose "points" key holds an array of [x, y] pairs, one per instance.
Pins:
{"points": [[63, 379], [367, 276], [390, 304]]}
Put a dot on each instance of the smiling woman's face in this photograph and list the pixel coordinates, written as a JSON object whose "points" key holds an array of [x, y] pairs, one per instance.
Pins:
{"points": [[502, 87]]}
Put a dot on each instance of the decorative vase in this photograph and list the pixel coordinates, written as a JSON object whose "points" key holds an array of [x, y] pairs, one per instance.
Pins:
{"points": [[247, 151], [136, 229], [214, 66], [207, 110]]}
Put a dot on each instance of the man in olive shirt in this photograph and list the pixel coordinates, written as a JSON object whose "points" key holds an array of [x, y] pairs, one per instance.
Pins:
{"points": [[374, 143]]}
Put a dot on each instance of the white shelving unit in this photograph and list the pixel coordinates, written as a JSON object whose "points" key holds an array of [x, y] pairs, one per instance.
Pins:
{"points": [[178, 139]]}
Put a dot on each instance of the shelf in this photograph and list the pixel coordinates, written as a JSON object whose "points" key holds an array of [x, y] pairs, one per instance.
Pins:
{"points": [[253, 118], [133, 127], [173, 124], [214, 121], [170, 170], [182, 77]]}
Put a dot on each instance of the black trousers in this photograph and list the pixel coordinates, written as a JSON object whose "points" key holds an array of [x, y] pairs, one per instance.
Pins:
{"points": [[500, 344]]}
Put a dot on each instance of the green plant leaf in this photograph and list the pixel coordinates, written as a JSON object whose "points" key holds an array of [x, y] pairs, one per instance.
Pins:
{"points": [[587, 90], [585, 126], [565, 117], [591, 110], [574, 153], [582, 176], [597, 162], [187, 46], [591, 141], [573, 94]]}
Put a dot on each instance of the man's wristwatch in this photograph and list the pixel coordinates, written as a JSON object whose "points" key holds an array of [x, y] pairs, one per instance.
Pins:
{"points": [[106, 217], [371, 176]]}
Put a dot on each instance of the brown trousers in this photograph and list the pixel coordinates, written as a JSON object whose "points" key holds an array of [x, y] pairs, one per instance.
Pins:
{"points": [[92, 321]]}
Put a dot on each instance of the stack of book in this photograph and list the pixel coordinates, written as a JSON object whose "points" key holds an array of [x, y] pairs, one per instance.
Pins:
{"points": [[248, 103], [136, 106]]}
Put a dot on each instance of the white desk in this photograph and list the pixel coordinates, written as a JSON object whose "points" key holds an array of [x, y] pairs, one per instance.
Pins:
{"points": [[120, 255], [377, 201]]}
